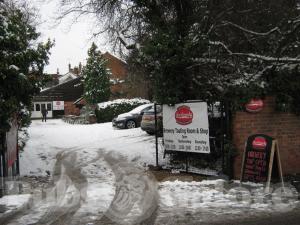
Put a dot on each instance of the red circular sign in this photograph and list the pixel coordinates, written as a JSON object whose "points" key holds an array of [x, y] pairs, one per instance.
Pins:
{"points": [[57, 103], [259, 143], [183, 115], [255, 105]]}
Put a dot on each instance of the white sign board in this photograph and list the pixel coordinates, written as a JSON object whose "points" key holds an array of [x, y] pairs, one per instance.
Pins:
{"points": [[58, 105], [185, 127]]}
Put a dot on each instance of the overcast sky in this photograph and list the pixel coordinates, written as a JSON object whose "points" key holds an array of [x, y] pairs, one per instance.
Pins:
{"points": [[71, 41]]}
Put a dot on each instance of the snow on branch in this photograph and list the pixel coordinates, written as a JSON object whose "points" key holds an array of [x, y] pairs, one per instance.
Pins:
{"points": [[254, 56], [250, 31]]}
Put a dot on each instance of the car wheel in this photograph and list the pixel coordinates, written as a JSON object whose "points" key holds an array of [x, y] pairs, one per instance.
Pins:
{"points": [[130, 124], [149, 132]]}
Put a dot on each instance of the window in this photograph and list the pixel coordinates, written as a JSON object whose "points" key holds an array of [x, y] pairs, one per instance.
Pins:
{"points": [[37, 107], [146, 109], [49, 108]]}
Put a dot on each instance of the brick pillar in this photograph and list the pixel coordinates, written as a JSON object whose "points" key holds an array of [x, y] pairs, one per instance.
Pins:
{"points": [[285, 127]]}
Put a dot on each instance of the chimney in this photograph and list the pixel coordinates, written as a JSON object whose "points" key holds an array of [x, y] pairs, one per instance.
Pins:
{"points": [[57, 71], [76, 70], [80, 67], [70, 67]]}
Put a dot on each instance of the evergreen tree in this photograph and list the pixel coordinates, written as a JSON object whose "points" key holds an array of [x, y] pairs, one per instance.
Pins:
{"points": [[96, 77], [212, 50], [22, 60]]}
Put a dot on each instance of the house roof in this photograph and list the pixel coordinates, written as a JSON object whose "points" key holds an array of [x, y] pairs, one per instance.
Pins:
{"points": [[68, 76], [80, 101], [107, 55], [68, 91]]}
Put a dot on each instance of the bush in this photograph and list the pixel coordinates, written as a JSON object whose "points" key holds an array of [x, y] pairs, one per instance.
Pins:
{"points": [[106, 111]]}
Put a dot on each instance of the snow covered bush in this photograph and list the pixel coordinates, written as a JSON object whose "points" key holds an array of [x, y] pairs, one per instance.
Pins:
{"points": [[106, 111]]}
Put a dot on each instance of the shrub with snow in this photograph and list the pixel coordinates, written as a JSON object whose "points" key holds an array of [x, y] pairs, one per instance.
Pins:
{"points": [[106, 111]]}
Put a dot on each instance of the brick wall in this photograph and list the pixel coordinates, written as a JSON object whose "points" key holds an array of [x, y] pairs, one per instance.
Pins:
{"points": [[71, 109], [117, 67], [285, 127], [118, 70]]}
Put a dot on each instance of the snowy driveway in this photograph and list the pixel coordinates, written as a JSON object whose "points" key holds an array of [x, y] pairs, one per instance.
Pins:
{"points": [[100, 177], [48, 139], [99, 174]]}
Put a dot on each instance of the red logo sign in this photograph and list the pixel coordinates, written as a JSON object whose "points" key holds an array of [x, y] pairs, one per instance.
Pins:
{"points": [[259, 143], [57, 103], [183, 115], [255, 105]]}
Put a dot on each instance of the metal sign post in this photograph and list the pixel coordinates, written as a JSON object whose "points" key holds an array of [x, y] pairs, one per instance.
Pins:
{"points": [[156, 137]]}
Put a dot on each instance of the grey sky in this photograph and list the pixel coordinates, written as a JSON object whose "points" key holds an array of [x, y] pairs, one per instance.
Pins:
{"points": [[71, 41]]}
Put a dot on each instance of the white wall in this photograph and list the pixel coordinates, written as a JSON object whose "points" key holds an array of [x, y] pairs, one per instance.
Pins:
{"points": [[35, 113]]}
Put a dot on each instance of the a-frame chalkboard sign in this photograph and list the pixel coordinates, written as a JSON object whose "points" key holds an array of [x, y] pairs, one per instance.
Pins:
{"points": [[261, 160]]}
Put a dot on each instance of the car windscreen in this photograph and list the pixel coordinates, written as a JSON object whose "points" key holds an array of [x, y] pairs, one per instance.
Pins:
{"points": [[138, 109], [158, 109]]}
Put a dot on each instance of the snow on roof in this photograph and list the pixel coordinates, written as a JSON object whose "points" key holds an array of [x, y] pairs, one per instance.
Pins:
{"points": [[66, 77], [78, 100], [60, 84], [132, 101]]}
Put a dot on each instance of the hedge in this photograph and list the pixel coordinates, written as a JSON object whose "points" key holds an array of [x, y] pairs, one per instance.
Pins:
{"points": [[110, 111]]}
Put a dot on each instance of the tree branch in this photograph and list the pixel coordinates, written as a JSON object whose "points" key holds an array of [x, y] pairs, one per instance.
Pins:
{"points": [[225, 23], [254, 56]]}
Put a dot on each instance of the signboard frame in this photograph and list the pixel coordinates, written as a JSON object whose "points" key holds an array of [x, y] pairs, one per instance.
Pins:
{"points": [[185, 123], [57, 107]]}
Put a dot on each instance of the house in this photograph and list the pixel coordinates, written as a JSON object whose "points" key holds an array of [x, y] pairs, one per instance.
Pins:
{"points": [[119, 73], [126, 83], [59, 99], [65, 97]]}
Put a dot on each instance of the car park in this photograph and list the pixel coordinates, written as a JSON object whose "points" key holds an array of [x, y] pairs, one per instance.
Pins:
{"points": [[148, 120], [131, 119]]}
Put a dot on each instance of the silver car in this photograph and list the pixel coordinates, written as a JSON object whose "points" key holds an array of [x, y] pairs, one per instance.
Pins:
{"points": [[131, 119]]}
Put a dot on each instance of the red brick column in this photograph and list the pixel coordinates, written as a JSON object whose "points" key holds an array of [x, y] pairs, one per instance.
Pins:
{"points": [[285, 127]]}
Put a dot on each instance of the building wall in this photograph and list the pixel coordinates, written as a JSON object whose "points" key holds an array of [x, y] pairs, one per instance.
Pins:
{"points": [[71, 109], [117, 67], [119, 71], [38, 113], [285, 127]]}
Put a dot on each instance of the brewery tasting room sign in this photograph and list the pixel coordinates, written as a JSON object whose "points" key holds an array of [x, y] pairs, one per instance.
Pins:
{"points": [[58, 105], [185, 127], [261, 158], [256, 158], [254, 105]]}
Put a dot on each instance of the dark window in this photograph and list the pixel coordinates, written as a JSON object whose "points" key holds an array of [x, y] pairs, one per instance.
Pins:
{"points": [[49, 108], [37, 107], [146, 109]]}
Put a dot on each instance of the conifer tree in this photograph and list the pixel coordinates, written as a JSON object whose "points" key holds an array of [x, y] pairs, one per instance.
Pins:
{"points": [[96, 77], [22, 60]]}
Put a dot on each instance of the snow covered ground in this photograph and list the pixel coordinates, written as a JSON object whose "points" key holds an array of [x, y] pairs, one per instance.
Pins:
{"points": [[48, 139], [100, 177], [95, 167], [218, 200]]}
